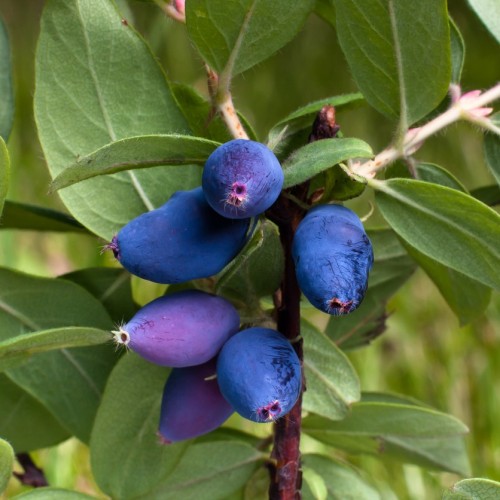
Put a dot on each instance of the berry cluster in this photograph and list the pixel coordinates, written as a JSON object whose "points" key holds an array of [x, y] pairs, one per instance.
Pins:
{"points": [[195, 235]]}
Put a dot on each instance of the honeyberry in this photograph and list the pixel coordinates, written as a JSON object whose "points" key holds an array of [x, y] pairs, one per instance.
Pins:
{"points": [[333, 256], [192, 404], [182, 240], [259, 374], [242, 178], [184, 328]]}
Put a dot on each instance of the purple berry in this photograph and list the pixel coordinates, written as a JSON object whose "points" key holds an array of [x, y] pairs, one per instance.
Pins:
{"points": [[259, 374], [191, 405], [185, 328], [242, 178], [182, 240], [333, 257]]}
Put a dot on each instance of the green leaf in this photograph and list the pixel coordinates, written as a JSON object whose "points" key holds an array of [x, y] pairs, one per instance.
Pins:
{"points": [[492, 149], [24, 421], [302, 119], [6, 90], [84, 55], [136, 153], [52, 494], [403, 432], [17, 349], [444, 224], [401, 75], [256, 271], [69, 381], [4, 172], [473, 489], [489, 13], [342, 481], [318, 156], [332, 382], [34, 218], [6, 464], [111, 286], [235, 36], [326, 10], [126, 456], [457, 46], [230, 466], [430, 172], [391, 269], [467, 298]]}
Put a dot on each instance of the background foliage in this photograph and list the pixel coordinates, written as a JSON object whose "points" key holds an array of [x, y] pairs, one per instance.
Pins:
{"points": [[424, 353]]}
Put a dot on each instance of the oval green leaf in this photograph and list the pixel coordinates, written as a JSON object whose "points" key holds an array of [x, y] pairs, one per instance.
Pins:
{"points": [[6, 464], [332, 382], [457, 46], [235, 36], [135, 153], [473, 489], [85, 53], [489, 13], [6, 89], [444, 224], [319, 156], [405, 432], [401, 75], [52, 494]]}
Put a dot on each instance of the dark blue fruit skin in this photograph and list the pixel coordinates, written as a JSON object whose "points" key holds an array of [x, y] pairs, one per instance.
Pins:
{"points": [[182, 329], [259, 374], [242, 178], [333, 257], [192, 406], [182, 240]]}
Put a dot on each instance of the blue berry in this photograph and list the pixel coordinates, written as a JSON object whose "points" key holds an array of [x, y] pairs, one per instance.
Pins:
{"points": [[333, 257], [242, 179], [182, 240], [181, 329], [259, 374], [191, 405]]}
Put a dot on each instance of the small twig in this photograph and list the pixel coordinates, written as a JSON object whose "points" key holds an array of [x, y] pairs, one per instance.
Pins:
{"points": [[469, 106], [32, 475]]}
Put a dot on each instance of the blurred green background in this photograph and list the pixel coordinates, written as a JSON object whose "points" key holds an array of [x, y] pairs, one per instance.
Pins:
{"points": [[423, 354]]}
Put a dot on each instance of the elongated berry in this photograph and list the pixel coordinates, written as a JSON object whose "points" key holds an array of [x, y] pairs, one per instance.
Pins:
{"points": [[182, 240], [185, 328], [242, 178], [259, 374], [191, 404], [333, 257]]}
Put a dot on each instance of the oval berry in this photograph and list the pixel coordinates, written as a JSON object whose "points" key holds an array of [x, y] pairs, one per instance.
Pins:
{"points": [[185, 328], [333, 257], [259, 374], [182, 240], [192, 405], [242, 178]]}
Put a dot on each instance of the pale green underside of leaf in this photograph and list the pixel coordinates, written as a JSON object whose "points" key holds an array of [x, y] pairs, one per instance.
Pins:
{"points": [[4, 173], [398, 52], [52, 494], [340, 481], [473, 489], [318, 156], [457, 46], [489, 13], [403, 432], [446, 225], [17, 349], [136, 153], [332, 382], [6, 89], [85, 53], [6, 464], [234, 36]]}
